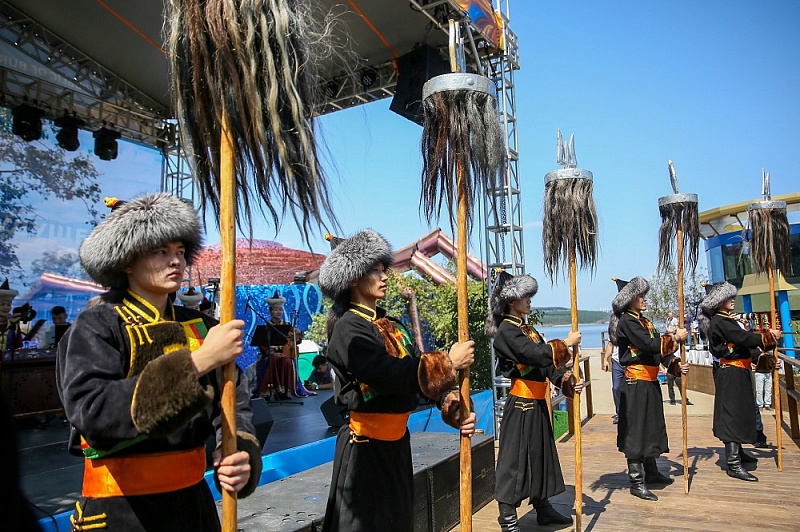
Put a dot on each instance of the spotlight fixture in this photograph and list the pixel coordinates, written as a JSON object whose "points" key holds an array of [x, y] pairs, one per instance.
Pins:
{"points": [[27, 122], [105, 144], [330, 89], [67, 138], [368, 77]]}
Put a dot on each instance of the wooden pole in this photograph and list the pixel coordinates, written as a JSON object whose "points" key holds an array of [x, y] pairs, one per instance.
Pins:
{"points": [[227, 311], [776, 384], [463, 336], [683, 361], [576, 400]]}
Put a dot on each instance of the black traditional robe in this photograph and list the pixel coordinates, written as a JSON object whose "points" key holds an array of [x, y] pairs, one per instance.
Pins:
{"points": [[734, 416], [378, 370], [642, 431], [527, 460], [128, 387]]}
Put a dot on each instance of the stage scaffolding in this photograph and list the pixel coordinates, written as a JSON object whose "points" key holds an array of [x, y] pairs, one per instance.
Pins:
{"points": [[61, 77]]}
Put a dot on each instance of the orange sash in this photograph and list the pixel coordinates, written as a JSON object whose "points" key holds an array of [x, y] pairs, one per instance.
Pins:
{"points": [[387, 427], [743, 363], [529, 389], [641, 372], [143, 474]]}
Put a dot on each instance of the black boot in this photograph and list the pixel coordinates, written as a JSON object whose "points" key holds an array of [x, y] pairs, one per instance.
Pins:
{"points": [[652, 475], [638, 488], [734, 460], [547, 515], [761, 440], [508, 518], [746, 458]]}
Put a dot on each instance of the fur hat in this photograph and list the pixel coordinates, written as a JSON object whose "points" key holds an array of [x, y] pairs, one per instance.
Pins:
{"points": [[716, 295], [276, 300], [507, 288], [351, 259], [6, 292], [628, 291], [135, 227], [613, 323], [191, 297]]}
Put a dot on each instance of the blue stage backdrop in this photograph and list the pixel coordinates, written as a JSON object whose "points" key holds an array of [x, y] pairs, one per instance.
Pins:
{"points": [[302, 302]]}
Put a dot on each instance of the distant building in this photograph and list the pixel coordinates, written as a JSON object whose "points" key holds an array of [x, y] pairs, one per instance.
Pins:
{"points": [[721, 228]]}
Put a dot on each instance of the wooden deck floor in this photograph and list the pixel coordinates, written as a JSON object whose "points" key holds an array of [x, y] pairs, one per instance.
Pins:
{"points": [[715, 501]]}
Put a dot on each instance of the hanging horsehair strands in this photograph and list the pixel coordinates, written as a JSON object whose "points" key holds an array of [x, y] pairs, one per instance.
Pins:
{"points": [[461, 130], [678, 211], [569, 222], [674, 215], [570, 217], [247, 61], [770, 243]]}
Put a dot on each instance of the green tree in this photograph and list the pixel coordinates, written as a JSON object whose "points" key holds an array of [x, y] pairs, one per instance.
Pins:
{"points": [[65, 262], [29, 169], [437, 307], [663, 295]]}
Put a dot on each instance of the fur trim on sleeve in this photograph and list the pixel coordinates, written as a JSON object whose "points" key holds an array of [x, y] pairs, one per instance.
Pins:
{"points": [[668, 344], [768, 340], [250, 444], [168, 395], [674, 367], [765, 362], [436, 374], [561, 353], [451, 411], [567, 384]]}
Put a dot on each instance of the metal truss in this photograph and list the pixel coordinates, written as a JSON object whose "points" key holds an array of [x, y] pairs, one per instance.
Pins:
{"points": [[62, 78], [502, 204]]}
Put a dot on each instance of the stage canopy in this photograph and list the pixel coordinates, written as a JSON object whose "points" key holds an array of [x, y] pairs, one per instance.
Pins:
{"points": [[104, 60]]}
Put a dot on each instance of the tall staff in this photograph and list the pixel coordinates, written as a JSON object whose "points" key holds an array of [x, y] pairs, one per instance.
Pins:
{"points": [[679, 217], [569, 232], [770, 250], [241, 81], [462, 151]]}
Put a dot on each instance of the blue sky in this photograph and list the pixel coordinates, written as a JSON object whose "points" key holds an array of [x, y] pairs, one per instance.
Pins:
{"points": [[712, 85]]}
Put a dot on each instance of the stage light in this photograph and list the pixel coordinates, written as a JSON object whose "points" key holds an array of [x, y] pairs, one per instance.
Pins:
{"points": [[330, 89], [368, 77], [105, 144], [27, 122], [67, 138]]}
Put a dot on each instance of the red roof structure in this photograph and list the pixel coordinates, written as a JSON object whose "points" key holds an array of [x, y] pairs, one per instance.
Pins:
{"points": [[268, 262], [265, 262]]}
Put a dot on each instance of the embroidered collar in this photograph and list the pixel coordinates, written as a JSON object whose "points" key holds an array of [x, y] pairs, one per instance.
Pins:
{"points": [[134, 309], [724, 314], [630, 312], [363, 311], [513, 320]]}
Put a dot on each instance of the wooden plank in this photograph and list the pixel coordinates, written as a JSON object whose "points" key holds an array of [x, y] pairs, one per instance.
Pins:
{"points": [[715, 501]]}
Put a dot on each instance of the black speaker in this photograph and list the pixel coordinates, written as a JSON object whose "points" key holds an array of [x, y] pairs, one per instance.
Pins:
{"points": [[413, 70], [262, 421], [335, 415]]}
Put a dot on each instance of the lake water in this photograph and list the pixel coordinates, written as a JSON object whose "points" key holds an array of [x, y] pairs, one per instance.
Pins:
{"points": [[590, 333]]}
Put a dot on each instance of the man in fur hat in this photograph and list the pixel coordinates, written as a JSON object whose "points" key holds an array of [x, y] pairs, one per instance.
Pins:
{"points": [[139, 379], [10, 335], [527, 460], [642, 431], [736, 349], [379, 376]]}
